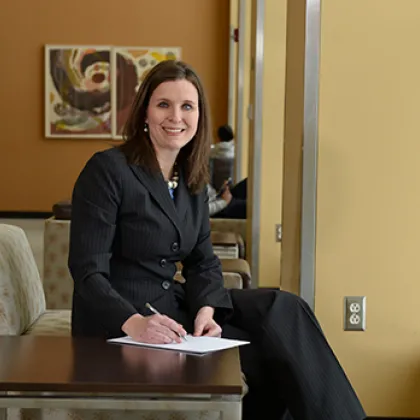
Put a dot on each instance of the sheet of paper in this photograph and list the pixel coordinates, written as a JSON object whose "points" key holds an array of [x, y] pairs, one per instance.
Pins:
{"points": [[192, 345]]}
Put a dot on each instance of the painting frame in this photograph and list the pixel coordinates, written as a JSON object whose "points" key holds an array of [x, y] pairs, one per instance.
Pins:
{"points": [[53, 93], [156, 53], [65, 81]]}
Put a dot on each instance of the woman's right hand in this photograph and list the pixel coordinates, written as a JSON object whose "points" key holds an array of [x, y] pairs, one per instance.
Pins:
{"points": [[154, 329]]}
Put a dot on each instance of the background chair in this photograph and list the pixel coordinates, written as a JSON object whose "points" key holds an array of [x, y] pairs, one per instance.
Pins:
{"points": [[237, 227], [62, 211], [22, 301], [58, 283]]}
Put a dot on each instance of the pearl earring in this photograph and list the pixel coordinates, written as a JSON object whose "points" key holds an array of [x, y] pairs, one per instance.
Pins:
{"points": [[146, 128]]}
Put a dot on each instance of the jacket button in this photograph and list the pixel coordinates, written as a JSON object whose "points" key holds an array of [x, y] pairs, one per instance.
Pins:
{"points": [[162, 262], [175, 247], [166, 284]]}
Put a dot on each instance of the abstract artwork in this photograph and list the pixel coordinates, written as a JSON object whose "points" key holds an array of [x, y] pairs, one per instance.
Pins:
{"points": [[78, 91], [89, 89], [130, 67]]}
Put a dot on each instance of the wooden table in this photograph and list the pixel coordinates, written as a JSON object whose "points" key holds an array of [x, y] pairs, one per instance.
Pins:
{"points": [[64, 372]]}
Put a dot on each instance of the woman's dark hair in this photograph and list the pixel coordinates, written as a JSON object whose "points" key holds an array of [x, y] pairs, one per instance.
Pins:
{"points": [[193, 158], [225, 133]]}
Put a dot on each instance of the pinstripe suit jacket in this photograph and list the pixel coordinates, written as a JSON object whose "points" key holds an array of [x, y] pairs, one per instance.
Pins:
{"points": [[126, 236]]}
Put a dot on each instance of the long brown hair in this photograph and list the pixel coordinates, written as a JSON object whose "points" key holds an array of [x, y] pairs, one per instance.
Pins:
{"points": [[193, 158]]}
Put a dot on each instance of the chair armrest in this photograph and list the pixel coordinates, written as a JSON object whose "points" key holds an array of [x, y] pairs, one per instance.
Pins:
{"points": [[228, 239], [62, 210], [237, 226], [240, 267]]}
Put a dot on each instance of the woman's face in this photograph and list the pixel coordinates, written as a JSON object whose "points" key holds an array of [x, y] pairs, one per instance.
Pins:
{"points": [[172, 115]]}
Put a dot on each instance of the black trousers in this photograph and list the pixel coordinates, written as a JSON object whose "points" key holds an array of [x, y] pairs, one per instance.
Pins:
{"points": [[289, 364], [290, 368]]}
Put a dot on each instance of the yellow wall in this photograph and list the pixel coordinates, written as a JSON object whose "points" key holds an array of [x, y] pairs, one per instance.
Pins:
{"points": [[36, 172], [368, 224], [244, 158], [293, 137], [233, 24], [270, 189]]}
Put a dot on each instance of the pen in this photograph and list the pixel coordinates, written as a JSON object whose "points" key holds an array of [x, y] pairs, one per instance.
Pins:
{"points": [[155, 311]]}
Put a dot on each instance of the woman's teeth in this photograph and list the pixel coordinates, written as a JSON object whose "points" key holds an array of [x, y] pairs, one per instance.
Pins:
{"points": [[174, 130]]}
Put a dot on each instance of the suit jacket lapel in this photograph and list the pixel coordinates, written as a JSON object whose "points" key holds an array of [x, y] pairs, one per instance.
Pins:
{"points": [[182, 198], [158, 189]]}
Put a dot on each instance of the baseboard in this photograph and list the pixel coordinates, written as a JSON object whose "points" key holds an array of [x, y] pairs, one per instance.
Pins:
{"points": [[25, 214]]}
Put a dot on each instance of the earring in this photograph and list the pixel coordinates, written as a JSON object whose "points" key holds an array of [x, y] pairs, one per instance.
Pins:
{"points": [[146, 128]]}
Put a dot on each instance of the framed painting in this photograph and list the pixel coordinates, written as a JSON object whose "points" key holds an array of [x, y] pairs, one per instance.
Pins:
{"points": [[78, 91], [130, 65]]}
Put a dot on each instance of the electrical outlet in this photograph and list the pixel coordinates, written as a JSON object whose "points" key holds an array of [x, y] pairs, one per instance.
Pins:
{"points": [[279, 233], [355, 313]]}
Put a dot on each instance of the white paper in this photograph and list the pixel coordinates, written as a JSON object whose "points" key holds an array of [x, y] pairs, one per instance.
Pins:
{"points": [[192, 345]]}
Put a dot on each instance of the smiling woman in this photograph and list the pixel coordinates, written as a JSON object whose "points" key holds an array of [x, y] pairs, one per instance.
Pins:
{"points": [[170, 121], [172, 118], [129, 230]]}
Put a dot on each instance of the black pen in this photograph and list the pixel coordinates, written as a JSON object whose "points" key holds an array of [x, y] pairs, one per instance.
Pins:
{"points": [[155, 311]]}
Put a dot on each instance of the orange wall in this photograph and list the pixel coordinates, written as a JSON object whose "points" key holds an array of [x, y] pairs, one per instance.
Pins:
{"points": [[35, 172]]}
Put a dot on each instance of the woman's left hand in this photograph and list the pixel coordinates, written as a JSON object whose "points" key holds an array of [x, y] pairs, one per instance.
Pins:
{"points": [[205, 325]]}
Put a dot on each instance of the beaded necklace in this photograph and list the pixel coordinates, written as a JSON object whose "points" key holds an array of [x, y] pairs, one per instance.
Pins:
{"points": [[173, 182]]}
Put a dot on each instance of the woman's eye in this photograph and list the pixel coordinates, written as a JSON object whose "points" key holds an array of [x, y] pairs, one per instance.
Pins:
{"points": [[163, 105], [187, 107]]}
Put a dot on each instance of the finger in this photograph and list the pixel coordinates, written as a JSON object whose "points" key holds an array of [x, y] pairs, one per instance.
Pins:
{"points": [[152, 337], [199, 328], [167, 332], [171, 324], [159, 338], [162, 333], [214, 331]]}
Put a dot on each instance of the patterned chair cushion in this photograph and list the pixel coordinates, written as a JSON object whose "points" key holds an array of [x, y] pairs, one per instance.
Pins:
{"points": [[52, 322], [58, 283], [22, 298]]}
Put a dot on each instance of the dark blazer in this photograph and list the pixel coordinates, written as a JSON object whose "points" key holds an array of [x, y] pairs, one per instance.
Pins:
{"points": [[126, 235]]}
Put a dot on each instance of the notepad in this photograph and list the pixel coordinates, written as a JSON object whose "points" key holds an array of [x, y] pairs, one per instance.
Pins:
{"points": [[192, 345]]}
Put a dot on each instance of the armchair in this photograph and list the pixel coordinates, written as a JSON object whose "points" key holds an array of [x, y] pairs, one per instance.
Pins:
{"points": [[22, 301]]}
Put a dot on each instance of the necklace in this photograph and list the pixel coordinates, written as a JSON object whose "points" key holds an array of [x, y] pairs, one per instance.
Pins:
{"points": [[173, 182]]}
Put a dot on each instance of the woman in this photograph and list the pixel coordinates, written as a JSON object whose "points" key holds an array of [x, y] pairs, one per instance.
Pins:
{"points": [[140, 208], [225, 147], [228, 203]]}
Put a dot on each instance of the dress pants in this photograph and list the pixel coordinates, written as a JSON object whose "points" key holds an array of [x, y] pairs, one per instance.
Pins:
{"points": [[240, 190], [289, 364], [290, 368]]}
